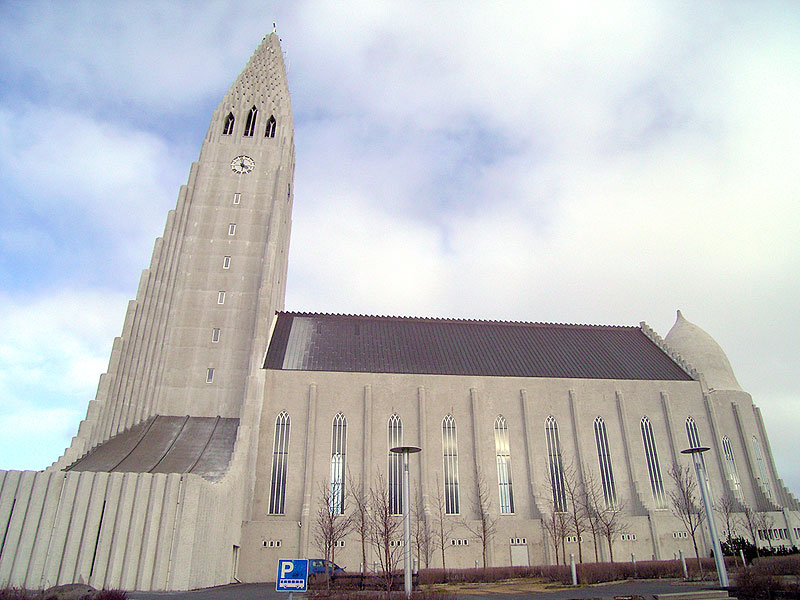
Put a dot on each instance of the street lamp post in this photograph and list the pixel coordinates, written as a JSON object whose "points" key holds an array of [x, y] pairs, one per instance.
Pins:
{"points": [[719, 560], [405, 451]]}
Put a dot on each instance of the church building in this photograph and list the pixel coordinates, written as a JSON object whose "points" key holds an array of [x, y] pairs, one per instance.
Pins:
{"points": [[223, 421]]}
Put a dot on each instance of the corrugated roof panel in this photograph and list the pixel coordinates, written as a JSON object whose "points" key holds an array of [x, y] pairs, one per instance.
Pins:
{"points": [[166, 444], [354, 343]]}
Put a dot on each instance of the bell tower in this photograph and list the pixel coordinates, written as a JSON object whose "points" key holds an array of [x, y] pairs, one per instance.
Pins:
{"points": [[194, 336]]}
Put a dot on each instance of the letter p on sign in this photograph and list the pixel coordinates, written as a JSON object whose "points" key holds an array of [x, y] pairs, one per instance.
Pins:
{"points": [[286, 568]]}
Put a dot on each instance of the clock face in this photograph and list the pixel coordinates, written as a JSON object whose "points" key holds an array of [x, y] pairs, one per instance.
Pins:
{"points": [[242, 164]]}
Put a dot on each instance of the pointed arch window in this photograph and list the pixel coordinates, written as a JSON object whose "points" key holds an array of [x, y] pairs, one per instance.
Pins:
{"points": [[272, 124], [395, 436], [227, 128], [450, 458], [503, 451], [556, 473], [338, 456], [280, 456], [730, 462], [762, 468], [653, 469], [694, 442], [604, 458], [250, 124]]}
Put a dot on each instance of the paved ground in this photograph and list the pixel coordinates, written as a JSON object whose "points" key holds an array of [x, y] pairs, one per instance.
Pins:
{"points": [[499, 591]]}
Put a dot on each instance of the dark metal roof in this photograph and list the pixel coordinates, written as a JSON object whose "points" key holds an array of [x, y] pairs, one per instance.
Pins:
{"points": [[365, 344], [162, 444]]}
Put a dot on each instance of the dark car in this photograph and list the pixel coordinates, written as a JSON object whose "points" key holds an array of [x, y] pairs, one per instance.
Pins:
{"points": [[317, 566]]}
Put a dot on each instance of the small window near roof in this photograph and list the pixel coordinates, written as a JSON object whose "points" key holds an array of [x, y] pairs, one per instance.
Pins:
{"points": [[228, 127], [271, 125], [250, 124], [237, 198]]}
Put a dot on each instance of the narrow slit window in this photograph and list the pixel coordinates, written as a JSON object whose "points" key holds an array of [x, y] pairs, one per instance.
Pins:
{"points": [[228, 127], [210, 375], [604, 458], [271, 126], [250, 124], [503, 453], [694, 442], [221, 297], [395, 435], [226, 262], [653, 469], [280, 456], [556, 473], [762, 468], [450, 458], [215, 335], [733, 474], [237, 198], [338, 455], [231, 228]]}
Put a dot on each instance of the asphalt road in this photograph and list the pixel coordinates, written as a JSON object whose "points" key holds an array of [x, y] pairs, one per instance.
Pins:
{"points": [[266, 591]]}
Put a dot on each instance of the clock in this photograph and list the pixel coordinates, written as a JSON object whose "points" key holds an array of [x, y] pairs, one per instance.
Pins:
{"points": [[242, 164]]}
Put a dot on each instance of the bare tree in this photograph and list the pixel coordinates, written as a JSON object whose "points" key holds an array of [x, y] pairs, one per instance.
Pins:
{"points": [[556, 520], [331, 524], [486, 525], [556, 524], [685, 505], [574, 491], [443, 526], [610, 522], [750, 521], [422, 532], [604, 518], [361, 522], [726, 507], [589, 503], [385, 531], [765, 523]]}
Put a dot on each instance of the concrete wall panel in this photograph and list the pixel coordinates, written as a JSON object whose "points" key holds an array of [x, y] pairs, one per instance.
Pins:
{"points": [[95, 512], [75, 527], [41, 545], [29, 531]]}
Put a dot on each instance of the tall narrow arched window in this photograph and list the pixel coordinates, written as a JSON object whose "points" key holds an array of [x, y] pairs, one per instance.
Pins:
{"points": [[395, 466], [556, 473], [271, 126], [338, 455], [280, 456], [730, 462], [503, 451], [604, 458], [227, 128], [762, 468], [694, 442], [450, 458], [250, 124], [651, 454]]}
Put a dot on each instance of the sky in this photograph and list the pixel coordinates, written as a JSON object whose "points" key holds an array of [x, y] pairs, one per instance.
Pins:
{"points": [[598, 162]]}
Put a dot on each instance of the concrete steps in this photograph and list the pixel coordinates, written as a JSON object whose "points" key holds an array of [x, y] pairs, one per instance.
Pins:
{"points": [[696, 595]]}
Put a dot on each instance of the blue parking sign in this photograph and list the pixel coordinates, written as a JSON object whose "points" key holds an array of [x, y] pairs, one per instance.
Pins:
{"points": [[292, 575]]}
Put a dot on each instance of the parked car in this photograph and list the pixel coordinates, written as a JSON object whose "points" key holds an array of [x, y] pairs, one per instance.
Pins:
{"points": [[317, 566]]}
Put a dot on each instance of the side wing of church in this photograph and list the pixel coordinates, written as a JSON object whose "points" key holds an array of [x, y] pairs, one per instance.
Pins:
{"points": [[223, 422]]}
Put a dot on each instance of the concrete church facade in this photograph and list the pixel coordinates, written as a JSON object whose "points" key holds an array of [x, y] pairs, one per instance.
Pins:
{"points": [[221, 417]]}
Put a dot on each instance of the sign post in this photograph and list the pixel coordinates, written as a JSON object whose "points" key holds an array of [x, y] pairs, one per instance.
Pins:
{"points": [[292, 576]]}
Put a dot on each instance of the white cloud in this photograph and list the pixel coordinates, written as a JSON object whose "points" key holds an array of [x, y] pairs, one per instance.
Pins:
{"points": [[593, 162]]}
